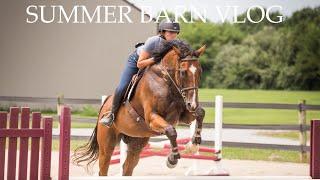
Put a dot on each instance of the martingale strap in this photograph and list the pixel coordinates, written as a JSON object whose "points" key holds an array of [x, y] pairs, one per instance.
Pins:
{"points": [[133, 113]]}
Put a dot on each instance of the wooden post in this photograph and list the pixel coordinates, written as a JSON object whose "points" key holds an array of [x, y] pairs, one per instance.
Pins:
{"points": [[3, 125], [59, 106], [12, 149], [60, 103], [23, 150], [302, 132], [35, 144], [64, 146], [46, 148], [315, 149]]}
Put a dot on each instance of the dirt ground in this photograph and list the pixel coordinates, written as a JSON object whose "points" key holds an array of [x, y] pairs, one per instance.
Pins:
{"points": [[155, 166]]}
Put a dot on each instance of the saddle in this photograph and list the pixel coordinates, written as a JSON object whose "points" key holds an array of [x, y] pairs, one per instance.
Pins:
{"points": [[130, 93], [132, 85]]}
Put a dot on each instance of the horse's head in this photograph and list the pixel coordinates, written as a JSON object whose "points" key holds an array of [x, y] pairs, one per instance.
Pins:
{"points": [[185, 71], [188, 76]]}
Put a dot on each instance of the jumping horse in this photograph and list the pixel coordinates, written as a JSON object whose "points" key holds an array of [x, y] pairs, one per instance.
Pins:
{"points": [[167, 94]]}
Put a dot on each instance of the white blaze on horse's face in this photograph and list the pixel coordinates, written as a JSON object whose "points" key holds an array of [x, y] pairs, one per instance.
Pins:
{"points": [[193, 70]]}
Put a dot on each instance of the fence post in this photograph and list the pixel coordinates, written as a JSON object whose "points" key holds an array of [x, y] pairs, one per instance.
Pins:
{"points": [[46, 149], [315, 149], [12, 149], [64, 149], [302, 131], [3, 125], [35, 144], [23, 150], [60, 103]]}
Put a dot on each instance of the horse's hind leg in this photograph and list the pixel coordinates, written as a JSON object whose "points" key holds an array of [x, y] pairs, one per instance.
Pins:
{"points": [[107, 139], [135, 146]]}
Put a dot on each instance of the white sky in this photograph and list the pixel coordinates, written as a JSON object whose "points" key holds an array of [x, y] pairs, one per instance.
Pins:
{"points": [[210, 6]]}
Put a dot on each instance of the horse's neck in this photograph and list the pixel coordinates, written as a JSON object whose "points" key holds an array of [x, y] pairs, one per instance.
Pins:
{"points": [[170, 65], [163, 71]]}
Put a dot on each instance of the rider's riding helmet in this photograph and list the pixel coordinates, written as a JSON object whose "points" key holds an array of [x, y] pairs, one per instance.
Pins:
{"points": [[169, 25]]}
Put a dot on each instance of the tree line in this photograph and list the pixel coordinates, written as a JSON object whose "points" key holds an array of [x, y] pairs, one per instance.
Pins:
{"points": [[262, 55]]}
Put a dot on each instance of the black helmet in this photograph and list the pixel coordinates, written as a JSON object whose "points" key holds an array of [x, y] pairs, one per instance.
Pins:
{"points": [[169, 25]]}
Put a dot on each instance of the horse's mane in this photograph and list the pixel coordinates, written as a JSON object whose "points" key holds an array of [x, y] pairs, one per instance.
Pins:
{"points": [[165, 46]]}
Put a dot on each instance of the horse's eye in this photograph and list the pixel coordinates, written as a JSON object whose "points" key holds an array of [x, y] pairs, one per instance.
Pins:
{"points": [[182, 73]]}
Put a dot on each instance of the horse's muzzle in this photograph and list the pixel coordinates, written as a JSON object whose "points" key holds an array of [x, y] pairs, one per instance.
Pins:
{"points": [[191, 107]]}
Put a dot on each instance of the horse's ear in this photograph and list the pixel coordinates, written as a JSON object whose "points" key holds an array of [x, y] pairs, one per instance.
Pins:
{"points": [[176, 50], [200, 51]]}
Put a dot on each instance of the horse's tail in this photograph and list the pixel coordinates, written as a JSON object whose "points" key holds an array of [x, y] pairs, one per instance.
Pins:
{"points": [[88, 152]]}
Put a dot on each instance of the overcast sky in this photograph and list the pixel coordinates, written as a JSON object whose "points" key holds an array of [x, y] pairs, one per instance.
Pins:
{"points": [[210, 6]]}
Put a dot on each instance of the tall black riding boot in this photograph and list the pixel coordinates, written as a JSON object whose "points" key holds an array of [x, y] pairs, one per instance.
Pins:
{"points": [[116, 103]]}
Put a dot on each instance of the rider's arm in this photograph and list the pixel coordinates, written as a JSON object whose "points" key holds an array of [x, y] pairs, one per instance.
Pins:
{"points": [[144, 60]]}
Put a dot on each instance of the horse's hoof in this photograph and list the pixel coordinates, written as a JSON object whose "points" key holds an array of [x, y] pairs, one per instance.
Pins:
{"points": [[196, 140], [169, 165], [172, 160], [192, 148]]}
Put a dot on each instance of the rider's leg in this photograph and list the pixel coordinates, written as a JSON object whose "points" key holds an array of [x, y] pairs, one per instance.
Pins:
{"points": [[126, 77]]}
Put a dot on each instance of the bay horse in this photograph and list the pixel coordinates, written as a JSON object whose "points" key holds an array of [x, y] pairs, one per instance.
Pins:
{"points": [[167, 94]]}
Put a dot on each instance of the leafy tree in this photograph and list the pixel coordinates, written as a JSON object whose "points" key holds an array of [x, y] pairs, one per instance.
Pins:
{"points": [[260, 56]]}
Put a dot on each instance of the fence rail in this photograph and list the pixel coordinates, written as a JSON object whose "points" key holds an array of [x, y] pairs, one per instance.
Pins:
{"points": [[211, 125], [225, 144], [301, 127], [204, 104]]}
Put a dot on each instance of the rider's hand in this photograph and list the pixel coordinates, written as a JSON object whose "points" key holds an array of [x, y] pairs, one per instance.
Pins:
{"points": [[156, 59]]}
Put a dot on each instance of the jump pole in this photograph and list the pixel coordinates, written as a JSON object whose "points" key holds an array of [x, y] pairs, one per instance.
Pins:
{"points": [[217, 169]]}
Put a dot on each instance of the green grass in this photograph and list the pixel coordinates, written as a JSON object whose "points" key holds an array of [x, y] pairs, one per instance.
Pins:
{"points": [[259, 116], [262, 154], [261, 96], [86, 111], [293, 135], [73, 144], [77, 125], [238, 116], [228, 153], [247, 116]]}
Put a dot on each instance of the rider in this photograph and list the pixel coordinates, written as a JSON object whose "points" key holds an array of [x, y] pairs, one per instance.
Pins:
{"points": [[140, 58]]}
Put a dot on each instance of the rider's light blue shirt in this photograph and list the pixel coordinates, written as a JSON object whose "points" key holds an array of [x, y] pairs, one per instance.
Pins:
{"points": [[150, 45]]}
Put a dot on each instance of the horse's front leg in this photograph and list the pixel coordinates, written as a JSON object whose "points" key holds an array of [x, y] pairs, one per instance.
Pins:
{"points": [[157, 123], [187, 117], [199, 114]]}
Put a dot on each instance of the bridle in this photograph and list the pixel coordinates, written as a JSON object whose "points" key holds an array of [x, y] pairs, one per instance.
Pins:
{"points": [[182, 91]]}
